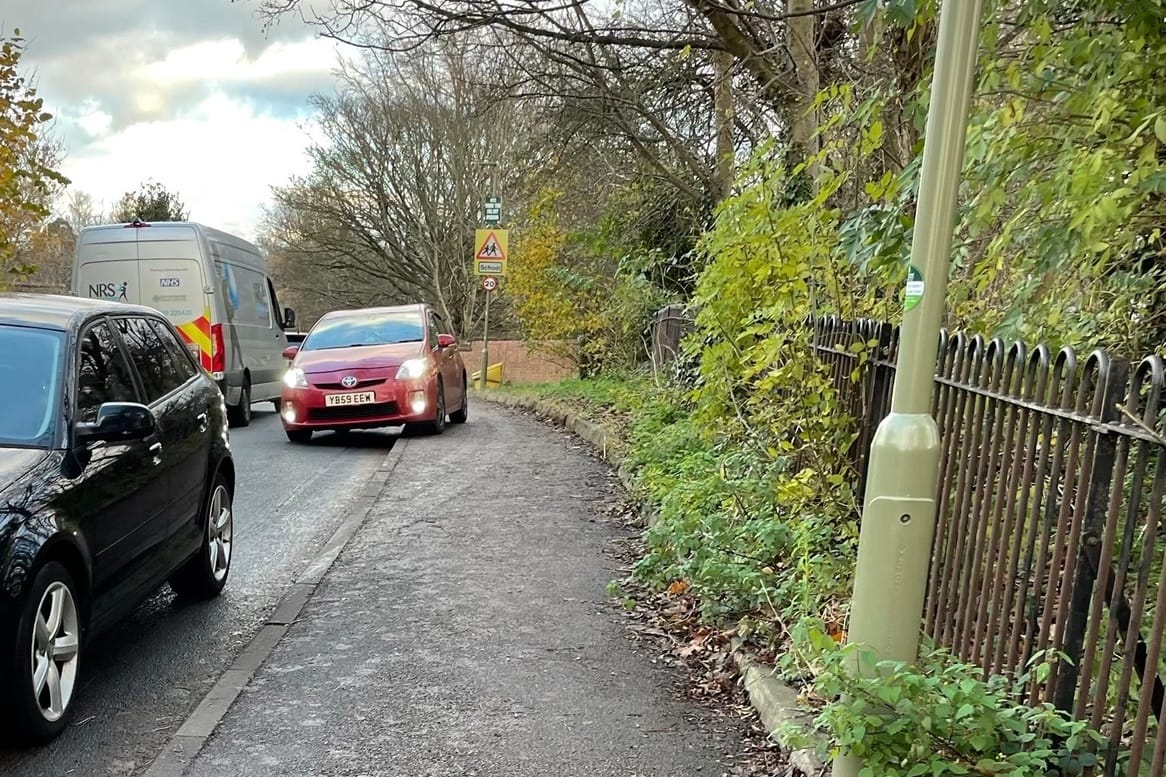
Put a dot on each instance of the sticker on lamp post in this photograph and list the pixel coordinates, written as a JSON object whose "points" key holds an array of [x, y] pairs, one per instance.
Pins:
{"points": [[914, 288]]}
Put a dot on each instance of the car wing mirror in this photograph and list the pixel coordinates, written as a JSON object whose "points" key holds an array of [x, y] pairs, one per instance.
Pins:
{"points": [[290, 352], [117, 422], [446, 341], [289, 318]]}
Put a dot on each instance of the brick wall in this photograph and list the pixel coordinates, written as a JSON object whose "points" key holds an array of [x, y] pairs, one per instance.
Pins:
{"points": [[519, 365]]}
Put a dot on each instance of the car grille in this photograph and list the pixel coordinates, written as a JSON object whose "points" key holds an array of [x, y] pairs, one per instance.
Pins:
{"points": [[359, 384], [352, 412]]}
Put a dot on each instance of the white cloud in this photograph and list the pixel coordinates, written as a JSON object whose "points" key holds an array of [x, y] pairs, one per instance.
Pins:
{"points": [[221, 159], [226, 61], [195, 95], [93, 120]]}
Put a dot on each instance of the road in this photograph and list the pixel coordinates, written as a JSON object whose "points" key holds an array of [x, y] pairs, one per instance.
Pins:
{"points": [[141, 681]]}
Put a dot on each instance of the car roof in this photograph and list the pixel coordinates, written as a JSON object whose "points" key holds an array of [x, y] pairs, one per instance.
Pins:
{"points": [[420, 308], [55, 311]]}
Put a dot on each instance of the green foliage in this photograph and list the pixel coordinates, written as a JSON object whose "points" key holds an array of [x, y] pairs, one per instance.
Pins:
{"points": [[28, 178], [746, 468], [756, 508], [151, 202], [1065, 180], [600, 395], [576, 295], [939, 717], [1062, 207]]}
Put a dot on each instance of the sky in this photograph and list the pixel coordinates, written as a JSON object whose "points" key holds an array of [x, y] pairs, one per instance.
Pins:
{"points": [[194, 94]]}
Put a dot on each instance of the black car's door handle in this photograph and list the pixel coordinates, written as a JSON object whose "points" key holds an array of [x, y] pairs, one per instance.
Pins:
{"points": [[156, 449], [202, 422]]}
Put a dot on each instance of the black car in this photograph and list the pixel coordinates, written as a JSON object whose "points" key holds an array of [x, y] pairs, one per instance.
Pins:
{"points": [[115, 476]]}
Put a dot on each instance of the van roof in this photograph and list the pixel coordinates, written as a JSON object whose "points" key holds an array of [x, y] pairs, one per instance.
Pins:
{"points": [[131, 231]]}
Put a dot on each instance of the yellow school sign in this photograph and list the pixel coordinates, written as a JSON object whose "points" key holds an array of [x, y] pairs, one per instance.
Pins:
{"points": [[491, 249]]}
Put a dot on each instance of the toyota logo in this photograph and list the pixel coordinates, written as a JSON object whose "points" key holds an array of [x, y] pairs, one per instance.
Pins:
{"points": [[348, 381]]}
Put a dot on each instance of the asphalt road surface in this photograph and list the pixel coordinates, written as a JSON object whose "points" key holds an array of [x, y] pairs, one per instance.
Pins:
{"points": [[144, 678]]}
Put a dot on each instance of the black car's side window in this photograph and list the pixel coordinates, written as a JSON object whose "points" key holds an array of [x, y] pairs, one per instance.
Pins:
{"points": [[102, 375], [183, 363], [157, 367]]}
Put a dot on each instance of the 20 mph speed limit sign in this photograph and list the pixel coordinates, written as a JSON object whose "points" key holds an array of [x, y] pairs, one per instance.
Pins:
{"points": [[489, 283]]}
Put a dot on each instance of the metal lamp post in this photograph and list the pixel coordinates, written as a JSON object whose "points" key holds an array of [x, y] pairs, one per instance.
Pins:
{"points": [[898, 517]]}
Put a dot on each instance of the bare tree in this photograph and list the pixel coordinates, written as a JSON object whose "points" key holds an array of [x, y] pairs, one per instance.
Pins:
{"points": [[81, 211], [393, 197], [647, 70]]}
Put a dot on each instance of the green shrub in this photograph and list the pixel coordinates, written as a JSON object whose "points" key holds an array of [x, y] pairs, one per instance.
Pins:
{"points": [[938, 717]]}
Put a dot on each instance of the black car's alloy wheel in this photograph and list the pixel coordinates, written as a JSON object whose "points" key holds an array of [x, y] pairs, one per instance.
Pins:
{"points": [[205, 574], [40, 667]]}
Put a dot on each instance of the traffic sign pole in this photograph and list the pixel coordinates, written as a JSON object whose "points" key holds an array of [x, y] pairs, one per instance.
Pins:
{"points": [[486, 316], [486, 341]]}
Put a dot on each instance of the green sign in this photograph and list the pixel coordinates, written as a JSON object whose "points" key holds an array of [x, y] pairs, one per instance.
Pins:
{"points": [[914, 288], [492, 211]]}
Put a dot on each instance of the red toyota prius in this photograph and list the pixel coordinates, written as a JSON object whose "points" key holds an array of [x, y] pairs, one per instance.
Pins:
{"points": [[374, 367]]}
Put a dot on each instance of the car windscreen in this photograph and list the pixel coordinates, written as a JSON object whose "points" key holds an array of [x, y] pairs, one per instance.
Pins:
{"points": [[368, 329], [30, 385]]}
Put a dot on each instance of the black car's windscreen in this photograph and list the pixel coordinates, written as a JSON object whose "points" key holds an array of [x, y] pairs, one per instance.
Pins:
{"points": [[370, 329], [30, 384]]}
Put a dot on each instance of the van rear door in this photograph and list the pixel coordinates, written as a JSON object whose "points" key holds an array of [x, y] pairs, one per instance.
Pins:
{"points": [[107, 265], [171, 280]]}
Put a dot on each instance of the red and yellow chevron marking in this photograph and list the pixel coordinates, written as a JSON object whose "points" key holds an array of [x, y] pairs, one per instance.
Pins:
{"points": [[198, 333]]}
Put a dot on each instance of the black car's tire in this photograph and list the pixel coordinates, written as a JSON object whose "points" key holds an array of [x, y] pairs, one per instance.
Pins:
{"points": [[437, 425], [36, 716], [240, 415], [462, 414], [298, 435], [205, 573]]}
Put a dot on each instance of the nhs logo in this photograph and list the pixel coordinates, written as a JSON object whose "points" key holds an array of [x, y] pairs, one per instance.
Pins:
{"points": [[169, 283]]}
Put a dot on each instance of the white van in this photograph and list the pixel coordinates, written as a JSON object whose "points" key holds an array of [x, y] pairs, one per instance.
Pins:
{"points": [[214, 287]]}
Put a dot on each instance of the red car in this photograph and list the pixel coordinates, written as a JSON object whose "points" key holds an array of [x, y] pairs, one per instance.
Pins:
{"points": [[374, 367]]}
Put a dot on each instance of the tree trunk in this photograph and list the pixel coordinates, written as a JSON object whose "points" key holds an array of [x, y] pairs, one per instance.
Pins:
{"points": [[726, 148], [801, 35]]}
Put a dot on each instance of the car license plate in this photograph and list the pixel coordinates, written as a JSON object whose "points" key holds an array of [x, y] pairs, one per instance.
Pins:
{"points": [[354, 398]]}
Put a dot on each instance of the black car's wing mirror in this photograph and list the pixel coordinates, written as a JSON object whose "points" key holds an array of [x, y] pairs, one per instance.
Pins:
{"points": [[117, 422]]}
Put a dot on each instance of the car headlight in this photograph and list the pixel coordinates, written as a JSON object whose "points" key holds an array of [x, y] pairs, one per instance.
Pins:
{"points": [[414, 368], [295, 378]]}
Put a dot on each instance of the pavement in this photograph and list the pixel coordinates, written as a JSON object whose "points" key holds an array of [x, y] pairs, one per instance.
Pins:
{"points": [[465, 629]]}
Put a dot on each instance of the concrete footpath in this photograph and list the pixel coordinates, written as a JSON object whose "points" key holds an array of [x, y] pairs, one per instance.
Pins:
{"points": [[466, 630]]}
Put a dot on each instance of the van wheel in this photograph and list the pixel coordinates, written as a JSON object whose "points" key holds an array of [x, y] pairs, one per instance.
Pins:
{"points": [[240, 414]]}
